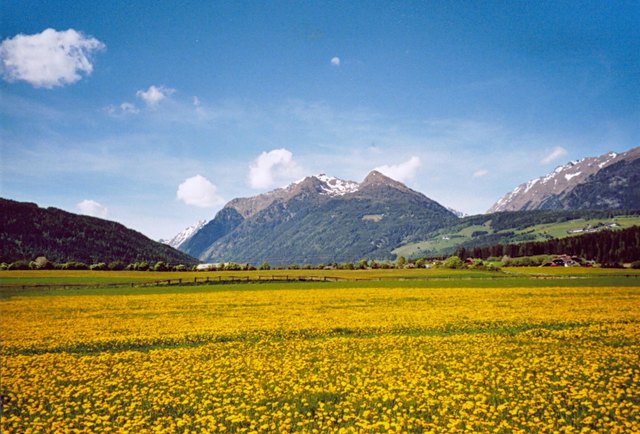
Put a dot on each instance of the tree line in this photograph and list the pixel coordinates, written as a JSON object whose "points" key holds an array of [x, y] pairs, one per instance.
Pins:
{"points": [[605, 247]]}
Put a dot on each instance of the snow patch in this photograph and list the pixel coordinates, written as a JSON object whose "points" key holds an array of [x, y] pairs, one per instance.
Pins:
{"points": [[530, 184], [335, 186], [612, 155], [568, 176]]}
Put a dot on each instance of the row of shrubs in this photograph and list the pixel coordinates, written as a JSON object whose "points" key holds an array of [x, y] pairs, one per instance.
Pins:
{"points": [[39, 264], [42, 263], [453, 262], [524, 261], [401, 263]]}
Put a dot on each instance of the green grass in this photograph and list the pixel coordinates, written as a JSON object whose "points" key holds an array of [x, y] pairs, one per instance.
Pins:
{"points": [[561, 230], [444, 243], [59, 277], [511, 277]]}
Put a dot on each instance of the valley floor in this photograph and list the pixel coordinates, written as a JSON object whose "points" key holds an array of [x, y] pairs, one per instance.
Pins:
{"points": [[444, 353]]}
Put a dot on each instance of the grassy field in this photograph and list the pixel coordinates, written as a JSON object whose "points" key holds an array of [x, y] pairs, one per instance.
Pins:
{"points": [[62, 277], [92, 277], [439, 351], [445, 242]]}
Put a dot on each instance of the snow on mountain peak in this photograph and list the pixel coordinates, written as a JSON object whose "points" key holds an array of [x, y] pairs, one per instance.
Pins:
{"points": [[331, 186], [185, 235], [561, 180], [335, 186]]}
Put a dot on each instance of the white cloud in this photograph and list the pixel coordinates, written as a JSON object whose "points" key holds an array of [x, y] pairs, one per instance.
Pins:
{"points": [[199, 191], [92, 208], [401, 172], [270, 166], [554, 154], [154, 94], [124, 108], [480, 173], [335, 61], [196, 101], [48, 59], [127, 107]]}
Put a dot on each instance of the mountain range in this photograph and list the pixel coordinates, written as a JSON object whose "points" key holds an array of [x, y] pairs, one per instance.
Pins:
{"points": [[326, 219], [610, 181]]}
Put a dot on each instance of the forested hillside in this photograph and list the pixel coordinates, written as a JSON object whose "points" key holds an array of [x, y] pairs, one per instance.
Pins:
{"points": [[513, 227], [606, 247], [28, 231]]}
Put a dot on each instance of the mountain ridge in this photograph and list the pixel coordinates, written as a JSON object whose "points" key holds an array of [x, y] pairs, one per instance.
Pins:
{"points": [[185, 235], [319, 219], [28, 231], [568, 185]]}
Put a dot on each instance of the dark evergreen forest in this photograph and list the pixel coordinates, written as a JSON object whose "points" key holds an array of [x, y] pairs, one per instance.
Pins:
{"points": [[28, 231], [606, 247]]}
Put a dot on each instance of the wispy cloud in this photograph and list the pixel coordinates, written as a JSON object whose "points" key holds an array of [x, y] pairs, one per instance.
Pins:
{"points": [[401, 172], [48, 59], [151, 98], [554, 154], [123, 109], [127, 107], [92, 208], [480, 173], [199, 191], [154, 94], [271, 166]]}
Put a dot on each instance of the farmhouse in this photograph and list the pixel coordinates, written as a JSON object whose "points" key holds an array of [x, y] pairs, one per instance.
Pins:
{"points": [[564, 261]]}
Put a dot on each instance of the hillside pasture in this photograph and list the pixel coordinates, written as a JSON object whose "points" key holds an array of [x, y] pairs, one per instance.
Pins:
{"points": [[444, 242]]}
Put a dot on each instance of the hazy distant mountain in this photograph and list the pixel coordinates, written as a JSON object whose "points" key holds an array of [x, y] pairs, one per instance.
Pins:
{"points": [[458, 213], [319, 219], [184, 235], [611, 181], [28, 231]]}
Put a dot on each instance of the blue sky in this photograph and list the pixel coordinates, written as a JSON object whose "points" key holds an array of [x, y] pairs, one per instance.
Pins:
{"points": [[154, 114]]}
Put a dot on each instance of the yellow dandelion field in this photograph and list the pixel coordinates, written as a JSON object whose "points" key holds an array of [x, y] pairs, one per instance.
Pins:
{"points": [[315, 359]]}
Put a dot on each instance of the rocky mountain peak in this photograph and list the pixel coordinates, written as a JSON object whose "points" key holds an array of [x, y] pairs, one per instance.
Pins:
{"points": [[549, 191], [185, 235], [377, 178], [335, 186], [319, 186]]}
